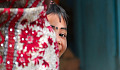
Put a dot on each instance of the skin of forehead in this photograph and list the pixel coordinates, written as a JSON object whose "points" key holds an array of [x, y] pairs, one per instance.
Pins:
{"points": [[60, 17]]}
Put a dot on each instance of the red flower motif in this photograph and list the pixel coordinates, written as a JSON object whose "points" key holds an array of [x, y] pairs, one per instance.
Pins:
{"points": [[56, 45], [41, 23], [50, 28], [46, 64], [57, 52], [37, 59], [24, 21], [1, 59], [33, 23], [42, 52], [45, 6], [56, 48], [43, 14], [50, 40], [57, 64], [44, 45], [22, 58], [30, 39]]}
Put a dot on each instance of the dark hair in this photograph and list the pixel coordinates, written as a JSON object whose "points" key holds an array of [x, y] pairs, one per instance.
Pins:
{"points": [[56, 9]]}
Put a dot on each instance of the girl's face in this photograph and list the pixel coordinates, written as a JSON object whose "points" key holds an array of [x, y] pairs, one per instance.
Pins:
{"points": [[60, 29]]}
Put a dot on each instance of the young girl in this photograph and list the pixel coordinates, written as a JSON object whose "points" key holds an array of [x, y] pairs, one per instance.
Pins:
{"points": [[58, 20]]}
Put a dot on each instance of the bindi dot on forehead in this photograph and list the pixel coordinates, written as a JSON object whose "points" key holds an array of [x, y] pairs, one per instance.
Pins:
{"points": [[54, 27]]}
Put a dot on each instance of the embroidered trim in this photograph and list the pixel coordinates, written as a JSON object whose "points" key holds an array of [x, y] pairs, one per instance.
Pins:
{"points": [[11, 41]]}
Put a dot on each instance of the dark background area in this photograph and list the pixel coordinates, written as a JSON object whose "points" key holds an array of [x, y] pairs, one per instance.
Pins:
{"points": [[93, 35]]}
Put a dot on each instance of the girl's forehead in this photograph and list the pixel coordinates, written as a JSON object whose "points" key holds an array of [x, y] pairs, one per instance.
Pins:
{"points": [[54, 20]]}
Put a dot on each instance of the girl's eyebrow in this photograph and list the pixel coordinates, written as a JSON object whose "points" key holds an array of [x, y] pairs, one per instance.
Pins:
{"points": [[60, 28], [63, 28], [52, 26]]}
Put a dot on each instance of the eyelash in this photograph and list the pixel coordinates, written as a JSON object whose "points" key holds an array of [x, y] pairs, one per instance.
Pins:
{"points": [[62, 35]]}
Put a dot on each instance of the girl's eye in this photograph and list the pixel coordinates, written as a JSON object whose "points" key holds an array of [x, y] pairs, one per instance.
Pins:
{"points": [[62, 35]]}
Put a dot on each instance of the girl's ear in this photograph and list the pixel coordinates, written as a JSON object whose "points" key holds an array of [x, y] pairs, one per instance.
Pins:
{"points": [[47, 2]]}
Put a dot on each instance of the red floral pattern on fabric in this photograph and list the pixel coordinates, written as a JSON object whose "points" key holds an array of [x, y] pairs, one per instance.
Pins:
{"points": [[42, 14], [27, 40], [50, 40], [41, 23], [37, 59], [30, 39], [50, 28], [56, 48], [1, 59], [57, 64], [45, 6], [44, 45], [22, 58], [42, 52], [33, 23], [46, 64], [23, 22]]}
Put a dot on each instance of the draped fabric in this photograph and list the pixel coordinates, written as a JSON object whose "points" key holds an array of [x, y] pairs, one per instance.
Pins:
{"points": [[27, 41]]}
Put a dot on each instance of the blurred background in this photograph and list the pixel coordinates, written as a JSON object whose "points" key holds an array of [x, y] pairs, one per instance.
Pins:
{"points": [[93, 35]]}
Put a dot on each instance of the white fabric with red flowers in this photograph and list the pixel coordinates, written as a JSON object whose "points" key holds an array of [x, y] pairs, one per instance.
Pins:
{"points": [[37, 48], [27, 41]]}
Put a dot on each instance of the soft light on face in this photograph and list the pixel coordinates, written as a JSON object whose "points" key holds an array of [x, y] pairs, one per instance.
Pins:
{"points": [[60, 30]]}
